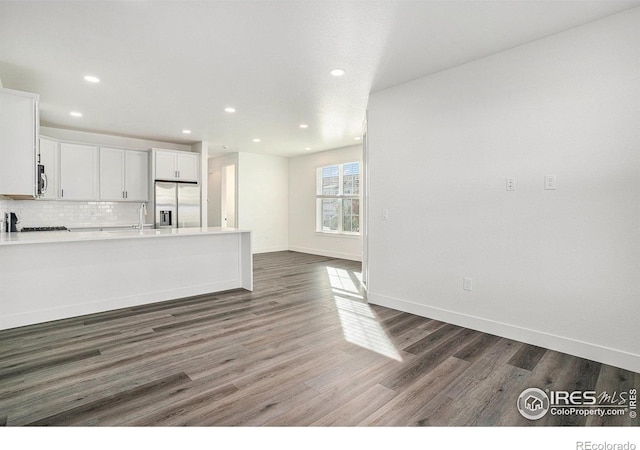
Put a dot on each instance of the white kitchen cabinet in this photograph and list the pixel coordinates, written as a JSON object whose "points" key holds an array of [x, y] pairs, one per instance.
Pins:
{"points": [[49, 158], [78, 172], [176, 166], [187, 165], [112, 174], [19, 124], [136, 175], [123, 175], [165, 165]]}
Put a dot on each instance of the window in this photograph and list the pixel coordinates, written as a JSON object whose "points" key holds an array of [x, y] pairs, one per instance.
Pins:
{"points": [[338, 198]]}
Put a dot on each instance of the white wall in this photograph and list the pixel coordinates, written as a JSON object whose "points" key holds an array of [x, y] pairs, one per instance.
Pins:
{"points": [[302, 206], [557, 268], [262, 200]]}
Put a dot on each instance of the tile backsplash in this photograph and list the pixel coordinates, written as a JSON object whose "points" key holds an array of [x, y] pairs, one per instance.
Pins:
{"points": [[34, 213]]}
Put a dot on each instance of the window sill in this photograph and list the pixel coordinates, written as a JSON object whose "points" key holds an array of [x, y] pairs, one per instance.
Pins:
{"points": [[336, 234]]}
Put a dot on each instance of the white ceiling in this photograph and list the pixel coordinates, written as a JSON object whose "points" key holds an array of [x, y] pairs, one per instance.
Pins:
{"points": [[166, 66]]}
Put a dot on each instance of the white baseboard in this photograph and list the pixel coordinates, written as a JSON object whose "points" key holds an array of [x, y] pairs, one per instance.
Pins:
{"points": [[282, 248], [321, 252], [594, 352]]}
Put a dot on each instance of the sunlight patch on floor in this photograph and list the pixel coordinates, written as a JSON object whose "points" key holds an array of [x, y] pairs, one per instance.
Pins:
{"points": [[359, 323]]}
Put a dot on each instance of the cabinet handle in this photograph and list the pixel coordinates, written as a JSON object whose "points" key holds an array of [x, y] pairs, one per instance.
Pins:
{"points": [[126, 194], [61, 193]]}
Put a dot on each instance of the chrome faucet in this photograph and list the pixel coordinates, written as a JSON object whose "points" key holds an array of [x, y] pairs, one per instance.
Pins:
{"points": [[142, 213]]}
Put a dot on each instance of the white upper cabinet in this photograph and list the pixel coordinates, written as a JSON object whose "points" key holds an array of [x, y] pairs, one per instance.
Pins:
{"points": [[49, 158], [136, 175], [124, 175], [165, 165], [112, 174], [83, 172], [188, 164], [176, 166], [18, 143], [78, 172]]}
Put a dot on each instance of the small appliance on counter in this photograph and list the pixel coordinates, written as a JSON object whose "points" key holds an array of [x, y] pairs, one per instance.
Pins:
{"points": [[10, 222]]}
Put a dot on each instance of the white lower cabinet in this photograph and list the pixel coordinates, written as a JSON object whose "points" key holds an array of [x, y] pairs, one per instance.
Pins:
{"points": [[78, 172]]}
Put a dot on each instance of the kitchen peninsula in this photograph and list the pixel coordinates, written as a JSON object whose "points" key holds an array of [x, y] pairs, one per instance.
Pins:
{"points": [[55, 275]]}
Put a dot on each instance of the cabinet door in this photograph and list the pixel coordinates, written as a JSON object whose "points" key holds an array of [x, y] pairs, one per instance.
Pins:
{"points": [[18, 131], [49, 159], [188, 166], [112, 174], [165, 168], [78, 172], [136, 176]]}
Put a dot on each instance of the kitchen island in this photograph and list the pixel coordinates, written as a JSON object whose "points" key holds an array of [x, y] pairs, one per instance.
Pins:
{"points": [[55, 275]]}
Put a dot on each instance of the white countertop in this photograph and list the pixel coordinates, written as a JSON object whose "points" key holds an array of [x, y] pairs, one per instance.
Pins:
{"points": [[42, 237]]}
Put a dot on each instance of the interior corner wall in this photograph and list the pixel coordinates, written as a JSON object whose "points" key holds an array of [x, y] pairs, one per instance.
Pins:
{"points": [[555, 268], [262, 200], [302, 206]]}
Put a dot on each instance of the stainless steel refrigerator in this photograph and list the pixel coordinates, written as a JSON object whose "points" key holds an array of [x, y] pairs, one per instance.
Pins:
{"points": [[177, 205]]}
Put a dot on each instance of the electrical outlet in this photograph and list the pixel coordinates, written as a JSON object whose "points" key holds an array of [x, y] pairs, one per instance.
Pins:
{"points": [[385, 214], [511, 184], [550, 182], [467, 284]]}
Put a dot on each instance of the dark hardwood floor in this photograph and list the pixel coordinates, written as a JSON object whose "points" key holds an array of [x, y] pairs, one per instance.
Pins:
{"points": [[303, 349]]}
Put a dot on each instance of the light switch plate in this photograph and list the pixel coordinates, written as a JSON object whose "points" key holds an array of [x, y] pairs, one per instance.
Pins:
{"points": [[467, 283]]}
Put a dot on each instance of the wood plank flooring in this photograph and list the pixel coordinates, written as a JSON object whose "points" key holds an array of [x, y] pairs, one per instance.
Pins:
{"points": [[303, 349]]}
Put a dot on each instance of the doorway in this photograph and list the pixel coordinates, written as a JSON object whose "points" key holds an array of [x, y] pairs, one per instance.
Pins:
{"points": [[228, 196]]}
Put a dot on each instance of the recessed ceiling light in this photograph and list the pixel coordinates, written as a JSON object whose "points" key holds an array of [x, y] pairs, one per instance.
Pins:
{"points": [[186, 131], [304, 125], [357, 138], [338, 72], [75, 114], [91, 79], [229, 109], [256, 140], [307, 148]]}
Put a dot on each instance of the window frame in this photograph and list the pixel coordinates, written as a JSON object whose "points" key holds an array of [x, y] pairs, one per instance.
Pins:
{"points": [[340, 197]]}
